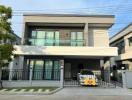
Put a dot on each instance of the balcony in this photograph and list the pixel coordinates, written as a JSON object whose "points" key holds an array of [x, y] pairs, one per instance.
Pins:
{"points": [[55, 42], [65, 50]]}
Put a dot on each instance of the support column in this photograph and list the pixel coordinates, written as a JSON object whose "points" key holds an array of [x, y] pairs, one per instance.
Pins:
{"points": [[126, 43], [124, 78], [61, 73], [21, 62], [102, 63], [102, 68], [10, 70], [107, 68], [31, 75], [86, 34]]}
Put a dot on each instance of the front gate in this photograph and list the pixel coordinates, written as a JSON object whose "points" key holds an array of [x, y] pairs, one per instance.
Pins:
{"points": [[103, 80]]}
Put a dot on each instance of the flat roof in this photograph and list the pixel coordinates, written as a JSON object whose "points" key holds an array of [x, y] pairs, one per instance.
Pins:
{"points": [[66, 15]]}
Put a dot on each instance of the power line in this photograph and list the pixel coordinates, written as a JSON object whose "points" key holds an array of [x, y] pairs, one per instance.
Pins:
{"points": [[110, 6], [112, 9]]}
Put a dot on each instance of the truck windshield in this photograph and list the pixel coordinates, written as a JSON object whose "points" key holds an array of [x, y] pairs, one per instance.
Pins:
{"points": [[86, 72]]}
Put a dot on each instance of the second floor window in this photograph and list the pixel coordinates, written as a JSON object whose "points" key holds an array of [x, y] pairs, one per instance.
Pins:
{"points": [[55, 38], [130, 41], [77, 38], [121, 47], [44, 38]]}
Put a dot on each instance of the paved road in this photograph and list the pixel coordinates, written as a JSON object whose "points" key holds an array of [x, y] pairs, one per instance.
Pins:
{"points": [[13, 97], [77, 94]]}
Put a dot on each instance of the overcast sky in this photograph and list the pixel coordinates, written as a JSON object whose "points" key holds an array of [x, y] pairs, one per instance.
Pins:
{"points": [[122, 9]]}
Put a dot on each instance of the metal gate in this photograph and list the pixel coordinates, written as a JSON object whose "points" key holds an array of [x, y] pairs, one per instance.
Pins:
{"points": [[103, 80]]}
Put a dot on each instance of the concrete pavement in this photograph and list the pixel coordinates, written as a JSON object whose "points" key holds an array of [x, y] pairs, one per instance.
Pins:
{"points": [[51, 97], [77, 94], [94, 91]]}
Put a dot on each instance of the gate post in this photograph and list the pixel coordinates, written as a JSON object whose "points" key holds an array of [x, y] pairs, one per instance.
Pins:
{"points": [[124, 78], [107, 65], [30, 76], [61, 73]]}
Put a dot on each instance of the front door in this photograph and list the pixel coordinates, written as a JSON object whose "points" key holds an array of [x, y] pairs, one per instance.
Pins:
{"points": [[67, 71]]}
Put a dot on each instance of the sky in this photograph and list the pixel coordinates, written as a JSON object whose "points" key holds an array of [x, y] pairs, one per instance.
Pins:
{"points": [[122, 9]]}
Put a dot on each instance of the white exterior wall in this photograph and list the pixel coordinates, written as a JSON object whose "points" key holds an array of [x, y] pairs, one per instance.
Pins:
{"points": [[16, 63], [98, 37]]}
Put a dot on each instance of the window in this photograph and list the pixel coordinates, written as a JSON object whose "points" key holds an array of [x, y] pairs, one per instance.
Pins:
{"points": [[121, 47], [77, 38], [130, 41], [33, 35], [49, 38], [44, 38]]}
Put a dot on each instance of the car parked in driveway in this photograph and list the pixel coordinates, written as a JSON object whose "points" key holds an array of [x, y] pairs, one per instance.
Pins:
{"points": [[87, 78]]}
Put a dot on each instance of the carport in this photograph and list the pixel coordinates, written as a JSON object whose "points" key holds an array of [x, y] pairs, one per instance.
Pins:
{"points": [[100, 66]]}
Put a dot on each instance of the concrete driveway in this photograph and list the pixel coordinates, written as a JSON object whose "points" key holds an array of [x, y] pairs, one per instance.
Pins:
{"points": [[77, 94], [94, 91]]}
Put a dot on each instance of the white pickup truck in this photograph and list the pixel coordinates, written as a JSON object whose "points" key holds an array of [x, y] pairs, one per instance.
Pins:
{"points": [[88, 78]]}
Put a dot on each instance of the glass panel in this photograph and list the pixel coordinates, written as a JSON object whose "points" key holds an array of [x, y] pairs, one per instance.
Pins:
{"points": [[31, 41], [56, 70], [80, 43], [57, 38], [73, 38], [49, 35], [40, 34], [48, 69], [49, 38], [33, 35], [38, 70], [39, 42], [73, 35], [79, 36], [40, 38]]}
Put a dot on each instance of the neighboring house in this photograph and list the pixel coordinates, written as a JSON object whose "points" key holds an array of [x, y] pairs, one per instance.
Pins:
{"points": [[16, 42], [18, 39], [55, 47], [123, 40]]}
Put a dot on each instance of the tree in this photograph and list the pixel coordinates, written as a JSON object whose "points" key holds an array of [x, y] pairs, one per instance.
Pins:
{"points": [[6, 37]]}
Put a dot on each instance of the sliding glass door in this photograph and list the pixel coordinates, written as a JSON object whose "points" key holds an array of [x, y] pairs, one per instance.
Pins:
{"points": [[76, 38], [45, 69], [38, 70], [49, 37], [56, 71], [48, 69]]}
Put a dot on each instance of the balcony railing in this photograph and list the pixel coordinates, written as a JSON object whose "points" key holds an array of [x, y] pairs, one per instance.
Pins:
{"points": [[55, 42]]}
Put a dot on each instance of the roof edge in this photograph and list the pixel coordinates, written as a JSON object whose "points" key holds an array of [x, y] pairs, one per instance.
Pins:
{"points": [[121, 31], [67, 15], [16, 35]]}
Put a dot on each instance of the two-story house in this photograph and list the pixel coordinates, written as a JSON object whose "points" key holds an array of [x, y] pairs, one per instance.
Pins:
{"points": [[123, 40], [57, 46]]}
